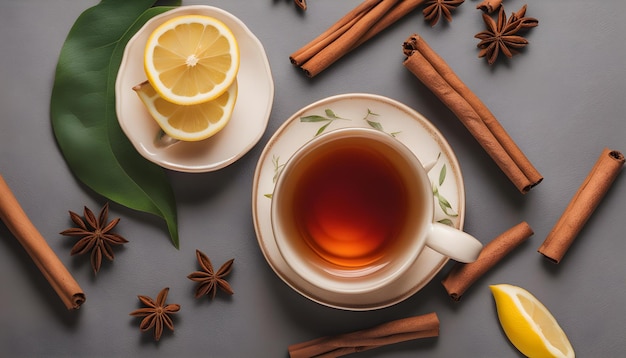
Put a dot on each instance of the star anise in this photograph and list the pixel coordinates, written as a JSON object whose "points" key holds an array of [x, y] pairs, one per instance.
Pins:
{"points": [[435, 8], [520, 15], [96, 235], [156, 314], [208, 279], [501, 36]]}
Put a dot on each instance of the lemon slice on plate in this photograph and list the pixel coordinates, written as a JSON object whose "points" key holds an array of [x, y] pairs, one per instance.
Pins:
{"points": [[528, 324], [191, 59], [189, 123]]}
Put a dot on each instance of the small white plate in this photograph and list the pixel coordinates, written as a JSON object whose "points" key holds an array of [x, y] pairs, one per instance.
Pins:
{"points": [[249, 118], [360, 110]]}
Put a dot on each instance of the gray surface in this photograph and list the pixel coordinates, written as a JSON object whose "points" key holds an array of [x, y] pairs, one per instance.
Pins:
{"points": [[563, 100]]}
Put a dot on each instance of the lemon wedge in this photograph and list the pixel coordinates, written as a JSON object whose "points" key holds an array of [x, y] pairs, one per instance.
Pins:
{"points": [[528, 324], [191, 59], [189, 123]]}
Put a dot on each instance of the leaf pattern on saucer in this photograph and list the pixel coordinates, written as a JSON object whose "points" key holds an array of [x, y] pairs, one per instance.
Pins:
{"points": [[444, 204], [376, 125], [330, 116], [278, 168], [327, 119], [416, 132]]}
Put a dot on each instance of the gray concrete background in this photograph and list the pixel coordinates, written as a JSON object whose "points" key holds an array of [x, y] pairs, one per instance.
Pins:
{"points": [[562, 100]]}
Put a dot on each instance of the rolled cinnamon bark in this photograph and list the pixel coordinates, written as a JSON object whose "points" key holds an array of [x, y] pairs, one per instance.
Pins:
{"points": [[462, 276], [387, 333], [336, 49], [582, 205], [301, 4], [396, 13], [489, 6], [353, 29], [36, 246], [309, 50], [435, 74]]}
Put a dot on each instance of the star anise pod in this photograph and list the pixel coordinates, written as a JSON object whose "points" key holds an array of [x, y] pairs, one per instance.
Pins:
{"points": [[156, 314], [520, 15], [501, 36], [96, 235], [208, 279], [435, 8]]}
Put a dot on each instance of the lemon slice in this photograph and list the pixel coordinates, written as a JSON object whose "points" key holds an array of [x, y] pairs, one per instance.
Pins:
{"points": [[528, 324], [189, 123], [191, 59]]}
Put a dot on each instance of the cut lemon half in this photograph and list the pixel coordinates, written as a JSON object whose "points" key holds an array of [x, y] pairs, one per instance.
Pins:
{"points": [[528, 324], [191, 59], [189, 123]]}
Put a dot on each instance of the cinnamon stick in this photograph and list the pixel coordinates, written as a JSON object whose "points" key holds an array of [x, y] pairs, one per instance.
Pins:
{"points": [[489, 6], [301, 4], [395, 14], [387, 333], [462, 276], [353, 29], [36, 246], [582, 205], [435, 73]]}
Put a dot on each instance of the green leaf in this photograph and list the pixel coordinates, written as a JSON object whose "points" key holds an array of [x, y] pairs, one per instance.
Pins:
{"points": [[443, 202], [442, 175], [445, 206], [375, 125], [370, 113], [278, 168], [322, 129], [330, 113], [446, 222], [82, 111], [313, 118]]}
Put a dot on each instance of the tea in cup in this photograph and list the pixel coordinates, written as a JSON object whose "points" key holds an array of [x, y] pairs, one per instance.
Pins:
{"points": [[353, 209]]}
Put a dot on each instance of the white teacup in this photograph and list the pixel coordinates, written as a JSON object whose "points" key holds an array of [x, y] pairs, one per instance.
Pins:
{"points": [[352, 210]]}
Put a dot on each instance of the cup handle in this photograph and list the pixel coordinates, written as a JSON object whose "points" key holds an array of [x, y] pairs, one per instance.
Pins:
{"points": [[456, 244]]}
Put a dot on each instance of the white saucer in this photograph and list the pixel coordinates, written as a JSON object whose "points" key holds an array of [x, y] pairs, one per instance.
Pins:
{"points": [[409, 127], [249, 119]]}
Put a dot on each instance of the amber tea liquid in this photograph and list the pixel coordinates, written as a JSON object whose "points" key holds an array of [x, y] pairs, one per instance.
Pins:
{"points": [[350, 204]]}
